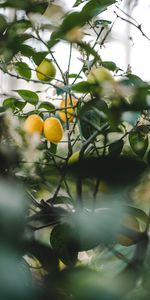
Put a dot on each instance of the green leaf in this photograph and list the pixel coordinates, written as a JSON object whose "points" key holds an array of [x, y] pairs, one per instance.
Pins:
{"points": [[110, 65], [18, 28], [74, 75], [10, 103], [136, 80], [46, 105], [138, 142], [28, 96], [63, 243], [77, 3], [3, 24], [94, 8], [26, 50], [28, 5], [23, 70], [13, 103], [82, 87], [116, 148], [39, 56]]}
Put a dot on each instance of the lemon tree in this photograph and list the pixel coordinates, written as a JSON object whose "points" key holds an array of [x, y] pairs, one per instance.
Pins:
{"points": [[74, 156]]}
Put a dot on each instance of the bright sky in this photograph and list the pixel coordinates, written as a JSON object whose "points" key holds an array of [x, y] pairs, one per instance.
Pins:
{"points": [[139, 47], [116, 49]]}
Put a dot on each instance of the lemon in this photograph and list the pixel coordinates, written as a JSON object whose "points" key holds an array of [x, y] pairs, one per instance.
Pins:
{"points": [[74, 35], [99, 75], [68, 113], [33, 124], [46, 71], [73, 158], [53, 130], [131, 223]]}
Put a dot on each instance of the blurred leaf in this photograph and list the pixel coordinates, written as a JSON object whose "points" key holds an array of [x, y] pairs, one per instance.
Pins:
{"points": [[138, 142], [110, 65], [63, 242], [82, 87], [89, 50], [18, 28], [3, 24], [28, 5], [74, 75], [116, 148], [137, 81], [46, 105], [28, 96], [23, 70], [87, 122], [44, 254], [92, 8], [127, 169]]}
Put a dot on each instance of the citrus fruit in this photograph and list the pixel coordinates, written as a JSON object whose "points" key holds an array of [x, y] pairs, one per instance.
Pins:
{"points": [[68, 113], [73, 158], [53, 130], [33, 124], [99, 75], [131, 223], [46, 70], [74, 35]]}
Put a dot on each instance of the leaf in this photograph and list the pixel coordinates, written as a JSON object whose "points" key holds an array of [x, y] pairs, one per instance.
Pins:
{"points": [[138, 142], [136, 80], [46, 105], [44, 254], [18, 28], [82, 87], [28, 96], [28, 5], [10, 103], [3, 24], [110, 65], [63, 243], [116, 148], [77, 3], [26, 50], [74, 75], [87, 122], [94, 8], [39, 56], [23, 70]]}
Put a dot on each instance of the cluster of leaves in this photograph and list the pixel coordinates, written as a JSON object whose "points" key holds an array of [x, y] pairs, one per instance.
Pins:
{"points": [[110, 133]]}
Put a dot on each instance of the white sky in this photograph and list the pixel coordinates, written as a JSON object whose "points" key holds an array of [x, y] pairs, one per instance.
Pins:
{"points": [[117, 49]]}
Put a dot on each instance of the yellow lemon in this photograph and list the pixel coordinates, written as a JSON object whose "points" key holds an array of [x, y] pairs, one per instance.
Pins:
{"points": [[99, 75], [68, 113], [46, 71], [53, 130], [131, 223], [33, 124]]}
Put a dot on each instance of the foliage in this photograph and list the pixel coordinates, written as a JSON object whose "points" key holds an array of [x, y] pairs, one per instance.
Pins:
{"points": [[60, 222]]}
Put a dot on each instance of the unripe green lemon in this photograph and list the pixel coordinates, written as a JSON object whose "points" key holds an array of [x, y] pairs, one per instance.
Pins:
{"points": [[33, 124], [53, 130], [73, 158], [99, 75], [46, 71]]}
